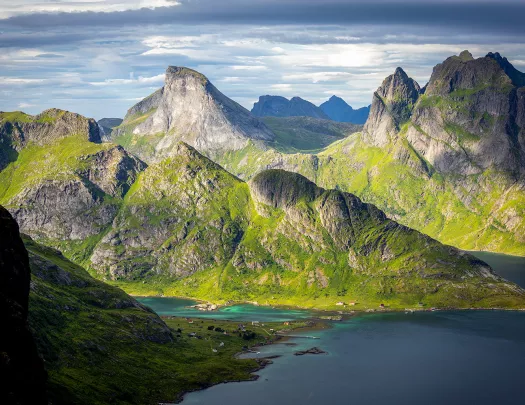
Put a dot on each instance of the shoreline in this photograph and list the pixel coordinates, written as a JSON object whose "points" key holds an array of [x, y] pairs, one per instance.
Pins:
{"points": [[262, 362], [325, 312], [313, 324]]}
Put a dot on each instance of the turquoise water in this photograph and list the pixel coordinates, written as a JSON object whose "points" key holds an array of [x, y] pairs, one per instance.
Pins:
{"points": [[509, 267], [245, 312], [453, 358]]}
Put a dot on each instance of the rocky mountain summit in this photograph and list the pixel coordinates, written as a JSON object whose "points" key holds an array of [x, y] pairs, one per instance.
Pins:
{"points": [[457, 147], [339, 110], [17, 130], [446, 159], [188, 108], [391, 107], [277, 106]]}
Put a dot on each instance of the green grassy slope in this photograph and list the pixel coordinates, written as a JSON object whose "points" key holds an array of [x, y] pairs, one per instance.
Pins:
{"points": [[306, 134], [100, 346], [211, 236]]}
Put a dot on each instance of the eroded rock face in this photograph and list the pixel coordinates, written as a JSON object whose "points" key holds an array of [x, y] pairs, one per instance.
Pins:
{"points": [[392, 106], [49, 126], [177, 221], [21, 370], [190, 109], [80, 206], [468, 120]]}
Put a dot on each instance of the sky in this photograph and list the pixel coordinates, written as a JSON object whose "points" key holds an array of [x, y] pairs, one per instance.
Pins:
{"points": [[98, 58]]}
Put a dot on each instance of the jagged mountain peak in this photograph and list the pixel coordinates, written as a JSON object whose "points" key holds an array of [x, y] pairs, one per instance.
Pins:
{"points": [[399, 85], [190, 108], [466, 56], [465, 72], [517, 77], [180, 71], [392, 106]]}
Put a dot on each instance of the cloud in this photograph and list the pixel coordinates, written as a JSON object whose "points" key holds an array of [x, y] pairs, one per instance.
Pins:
{"points": [[82, 60], [505, 16], [19, 81], [25, 7], [26, 105], [158, 79]]}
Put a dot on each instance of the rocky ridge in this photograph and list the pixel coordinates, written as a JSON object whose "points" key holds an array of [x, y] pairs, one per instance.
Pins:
{"points": [[279, 237], [61, 182]]}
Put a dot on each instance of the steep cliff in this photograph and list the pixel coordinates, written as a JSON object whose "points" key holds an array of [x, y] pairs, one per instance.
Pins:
{"points": [[188, 108], [22, 375]]}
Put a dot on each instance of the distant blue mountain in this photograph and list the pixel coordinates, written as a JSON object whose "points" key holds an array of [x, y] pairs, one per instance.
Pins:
{"points": [[338, 110], [277, 106]]}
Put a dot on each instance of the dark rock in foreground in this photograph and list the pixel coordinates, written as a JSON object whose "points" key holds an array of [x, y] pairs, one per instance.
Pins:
{"points": [[313, 350], [22, 375]]}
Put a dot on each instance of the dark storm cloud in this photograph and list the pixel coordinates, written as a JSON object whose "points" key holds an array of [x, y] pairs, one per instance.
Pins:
{"points": [[491, 17]]}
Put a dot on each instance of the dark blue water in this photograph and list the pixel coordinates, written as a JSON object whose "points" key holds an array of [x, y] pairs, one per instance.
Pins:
{"points": [[425, 358], [453, 358], [510, 267]]}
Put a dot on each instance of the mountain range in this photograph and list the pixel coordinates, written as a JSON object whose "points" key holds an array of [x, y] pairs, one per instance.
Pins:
{"points": [[199, 197], [335, 109]]}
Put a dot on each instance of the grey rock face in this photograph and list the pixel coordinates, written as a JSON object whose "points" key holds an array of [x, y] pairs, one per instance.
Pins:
{"points": [[190, 109], [62, 210], [149, 103], [392, 106], [277, 106], [77, 208], [113, 170], [470, 119], [49, 126]]}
